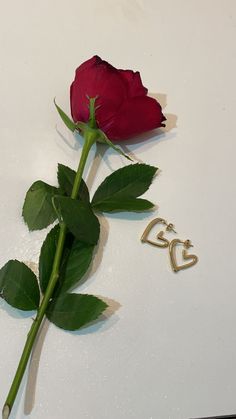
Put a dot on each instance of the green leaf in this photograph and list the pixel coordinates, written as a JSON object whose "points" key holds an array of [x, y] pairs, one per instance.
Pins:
{"points": [[65, 118], [46, 258], [104, 139], [76, 265], [66, 177], [79, 218], [19, 286], [135, 204], [77, 257], [38, 211], [124, 186], [73, 311]]}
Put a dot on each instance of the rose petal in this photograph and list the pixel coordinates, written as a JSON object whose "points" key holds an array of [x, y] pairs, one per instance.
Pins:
{"points": [[98, 78], [137, 115], [134, 83], [89, 63]]}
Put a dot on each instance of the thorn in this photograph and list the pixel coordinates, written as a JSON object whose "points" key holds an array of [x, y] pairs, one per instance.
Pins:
{"points": [[6, 412]]}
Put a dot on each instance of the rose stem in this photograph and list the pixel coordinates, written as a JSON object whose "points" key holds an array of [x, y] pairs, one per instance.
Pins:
{"points": [[89, 140]]}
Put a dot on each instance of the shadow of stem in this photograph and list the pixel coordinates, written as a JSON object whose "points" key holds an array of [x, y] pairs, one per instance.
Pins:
{"points": [[33, 368]]}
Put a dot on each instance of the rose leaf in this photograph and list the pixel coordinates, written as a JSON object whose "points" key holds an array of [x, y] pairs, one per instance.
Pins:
{"points": [[79, 218], [46, 257], [66, 177], [38, 211], [19, 286], [76, 264], [119, 191], [134, 205], [73, 311]]}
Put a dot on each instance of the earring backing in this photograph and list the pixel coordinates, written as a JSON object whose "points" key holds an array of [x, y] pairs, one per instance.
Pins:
{"points": [[170, 227]]}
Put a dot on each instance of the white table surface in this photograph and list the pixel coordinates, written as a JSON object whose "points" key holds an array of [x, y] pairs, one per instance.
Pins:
{"points": [[168, 349]]}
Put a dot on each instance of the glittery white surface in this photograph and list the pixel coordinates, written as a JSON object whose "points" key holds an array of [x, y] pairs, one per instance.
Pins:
{"points": [[167, 348]]}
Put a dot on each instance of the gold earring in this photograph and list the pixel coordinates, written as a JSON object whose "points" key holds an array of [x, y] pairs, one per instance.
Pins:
{"points": [[172, 251], [160, 235]]}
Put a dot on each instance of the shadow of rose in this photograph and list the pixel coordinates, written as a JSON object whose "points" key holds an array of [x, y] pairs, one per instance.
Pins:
{"points": [[171, 119]]}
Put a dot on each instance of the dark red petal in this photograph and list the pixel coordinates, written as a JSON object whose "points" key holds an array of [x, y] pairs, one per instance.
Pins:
{"points": [[134, 83], [137, 115], [88, 63], [94, 78]]}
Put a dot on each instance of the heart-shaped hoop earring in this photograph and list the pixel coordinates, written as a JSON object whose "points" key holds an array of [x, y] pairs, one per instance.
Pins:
{"points": [[160, 236], [172, 251]]}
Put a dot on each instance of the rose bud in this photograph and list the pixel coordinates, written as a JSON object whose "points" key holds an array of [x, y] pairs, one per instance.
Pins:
{"points": [[123, 108]]}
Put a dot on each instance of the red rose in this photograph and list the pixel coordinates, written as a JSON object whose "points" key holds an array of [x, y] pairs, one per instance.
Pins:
{"points": [[124, 109]]}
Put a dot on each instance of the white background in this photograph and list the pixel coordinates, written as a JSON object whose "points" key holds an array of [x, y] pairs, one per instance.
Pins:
{"points": [[167, 349]]}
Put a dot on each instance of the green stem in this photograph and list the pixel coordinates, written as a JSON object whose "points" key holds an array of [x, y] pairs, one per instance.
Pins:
{"points": [[90, 138]]}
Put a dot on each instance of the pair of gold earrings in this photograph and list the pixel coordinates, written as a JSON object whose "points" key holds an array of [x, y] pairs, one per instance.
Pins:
{"points": [[164, 242]]}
